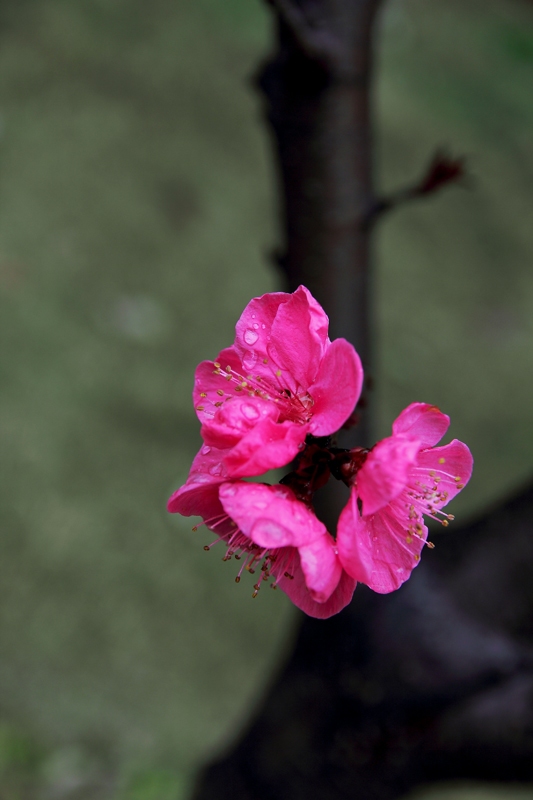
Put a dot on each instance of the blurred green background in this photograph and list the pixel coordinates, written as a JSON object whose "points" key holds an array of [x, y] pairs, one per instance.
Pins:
{"points": [[137, 215]]}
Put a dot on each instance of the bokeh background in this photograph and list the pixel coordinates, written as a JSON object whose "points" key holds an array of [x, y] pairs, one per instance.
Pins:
{"points": [[137, 218]]}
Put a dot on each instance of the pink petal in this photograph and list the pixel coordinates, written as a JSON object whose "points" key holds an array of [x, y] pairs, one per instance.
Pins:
{"points": [[236, 418], [270, 515], [298, 592], [385, 472], [423, 422], [208, 384], [267, 446], [378, 550], [196, 499], [451, 464], [321, 567], [298, 339], [208, 462], [201, 488], [253, 332], [336, 389]]}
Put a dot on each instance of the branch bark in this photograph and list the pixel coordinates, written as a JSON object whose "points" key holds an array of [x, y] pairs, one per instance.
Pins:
{"points": [[433, 682], [317, 91]]}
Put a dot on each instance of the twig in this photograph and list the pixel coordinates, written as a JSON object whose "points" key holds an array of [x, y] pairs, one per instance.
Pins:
{"points": [[443, 170]]}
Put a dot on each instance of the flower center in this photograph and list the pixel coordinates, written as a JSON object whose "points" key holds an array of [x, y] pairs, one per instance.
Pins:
{"points": [[294, 407]]}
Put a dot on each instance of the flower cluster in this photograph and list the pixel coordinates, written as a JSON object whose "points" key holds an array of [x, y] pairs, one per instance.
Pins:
{"points": [[276, 397]]}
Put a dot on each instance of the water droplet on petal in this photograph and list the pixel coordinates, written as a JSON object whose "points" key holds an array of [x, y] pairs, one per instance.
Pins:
{"points": [[253, 316], [216, 469], [250, 336], [260, 504], [206, 449], [263, 326], [200, 478], [249, 358], [229, 490], [256, 325], [249, 411]]}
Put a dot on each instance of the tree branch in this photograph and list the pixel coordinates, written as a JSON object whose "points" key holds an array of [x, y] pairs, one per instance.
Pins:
{"points": [[315, 40], [442, 171]]}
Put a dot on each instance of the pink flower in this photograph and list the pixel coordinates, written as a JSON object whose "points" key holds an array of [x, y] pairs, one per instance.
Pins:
{"points": [[282, 380], [381, 531], [276, 396], [271, 531]]}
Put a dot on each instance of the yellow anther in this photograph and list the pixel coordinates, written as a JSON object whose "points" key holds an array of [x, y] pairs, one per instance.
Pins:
{"points": [[442, 460], [430, 545], [203, 394], [200, 408], [265, 361], [278, 373], [216, 364], [220, 392]]}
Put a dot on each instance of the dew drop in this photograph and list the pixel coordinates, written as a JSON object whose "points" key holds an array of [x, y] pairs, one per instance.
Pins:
{"points": [[229, 491], [206, 449], [249, 411], [250, 336], [200, 478], [249, 358], [271, 529], [263, 326], [253, 316], [256, 325], [260, 505], [216, 469]]}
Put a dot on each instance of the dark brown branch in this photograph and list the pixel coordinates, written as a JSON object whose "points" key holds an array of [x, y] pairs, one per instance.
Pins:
{"points": [[316, 41], [433, 682], [322, 130], [442, 171]]}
